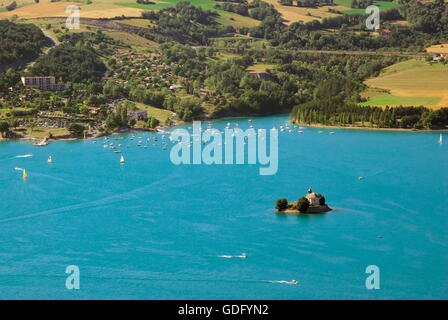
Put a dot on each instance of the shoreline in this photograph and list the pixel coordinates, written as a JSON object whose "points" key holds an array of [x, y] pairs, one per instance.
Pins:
{"points": [[73, 138], [121, 131], [323, 126]]}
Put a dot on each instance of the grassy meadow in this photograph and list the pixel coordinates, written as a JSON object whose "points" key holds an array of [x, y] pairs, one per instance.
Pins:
{"points": [[383, 5], [412, 82], [159, 114], [113, 8]]}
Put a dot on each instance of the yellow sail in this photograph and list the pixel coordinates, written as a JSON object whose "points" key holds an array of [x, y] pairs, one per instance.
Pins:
{"points": [[24, 175]]}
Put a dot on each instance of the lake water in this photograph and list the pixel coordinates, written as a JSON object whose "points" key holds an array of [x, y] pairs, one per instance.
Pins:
{"points": [[151, 230]]}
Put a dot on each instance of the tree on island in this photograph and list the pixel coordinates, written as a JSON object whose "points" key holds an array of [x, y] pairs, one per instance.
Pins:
{"points": [[303, 204], [321, 199], [282, 204]]}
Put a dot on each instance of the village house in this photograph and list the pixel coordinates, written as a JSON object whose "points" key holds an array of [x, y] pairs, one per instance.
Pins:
{"points": [[138, 115], [43, 83]]}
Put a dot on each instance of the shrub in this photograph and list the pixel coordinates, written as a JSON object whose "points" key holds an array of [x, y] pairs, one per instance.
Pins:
{"points": [[76, 129], [4, 128], [11, 6], [321, 199], [302, 204], [281, 204]]}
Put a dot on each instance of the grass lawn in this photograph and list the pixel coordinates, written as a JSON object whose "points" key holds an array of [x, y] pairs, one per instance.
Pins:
{"points": [[159, 114], [412, 82], [43, 132]]}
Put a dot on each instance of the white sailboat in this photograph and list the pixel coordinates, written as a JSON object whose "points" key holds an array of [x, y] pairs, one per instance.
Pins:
{"points": [[42, 143], [121, 159], [440, 139]]}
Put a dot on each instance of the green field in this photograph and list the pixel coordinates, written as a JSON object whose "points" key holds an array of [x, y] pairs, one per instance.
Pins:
{"points": [[383, 5], [159, 114], [380, 98], [412, 82], [225, 18], [204, 4]]}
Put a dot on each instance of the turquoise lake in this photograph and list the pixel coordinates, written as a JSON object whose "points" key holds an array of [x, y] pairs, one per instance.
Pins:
{"points": [[149, 229]]}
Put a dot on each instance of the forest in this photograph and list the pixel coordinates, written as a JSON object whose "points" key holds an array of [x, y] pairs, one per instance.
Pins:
{"points": [[334, 111], [75, 60], [429, 24], [20, 43]]}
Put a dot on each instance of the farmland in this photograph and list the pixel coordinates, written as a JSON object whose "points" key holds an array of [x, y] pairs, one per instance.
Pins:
{"points": [[27, 9], [438, 48], [413, 82]]}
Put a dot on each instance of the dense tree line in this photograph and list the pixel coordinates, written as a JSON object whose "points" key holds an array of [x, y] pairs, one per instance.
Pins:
{"points": [[429, 24], [333, 111], [238, 8], [428, 16], [187, 23], [19, 42], [361, 4], [75, 60]]}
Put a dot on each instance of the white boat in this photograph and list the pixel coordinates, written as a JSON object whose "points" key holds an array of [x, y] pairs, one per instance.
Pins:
{"points": [[42, 143], [121, 159], [49, 160], [440, 139]]}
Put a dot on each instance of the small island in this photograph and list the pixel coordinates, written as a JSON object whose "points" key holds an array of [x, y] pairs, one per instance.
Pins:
{"points": [[311, 203]]}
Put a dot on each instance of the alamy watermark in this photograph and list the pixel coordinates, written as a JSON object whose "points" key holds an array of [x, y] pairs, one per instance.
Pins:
{"points": [[373, 280], [373, 21], [211, 146], [72, 21], [73, 280]]}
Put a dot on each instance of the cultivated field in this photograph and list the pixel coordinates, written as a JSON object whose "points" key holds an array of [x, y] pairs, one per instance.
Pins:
{"points": [[295, 14], [97, 9], [113, 8], [438, 48], [413, 82]]}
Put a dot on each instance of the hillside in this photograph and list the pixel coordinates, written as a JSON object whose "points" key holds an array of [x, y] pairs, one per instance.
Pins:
{"points": [[19, 43], [413, 82]]}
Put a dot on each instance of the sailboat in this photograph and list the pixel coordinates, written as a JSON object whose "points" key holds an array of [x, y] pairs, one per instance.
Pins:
{"points": [[42, 143], [24, 174], [440, 139], [121, 159]]}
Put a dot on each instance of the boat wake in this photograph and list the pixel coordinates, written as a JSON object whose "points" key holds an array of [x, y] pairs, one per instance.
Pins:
{"points": [[24, 156], [292, 282], [110, 200], [241, 256]]}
